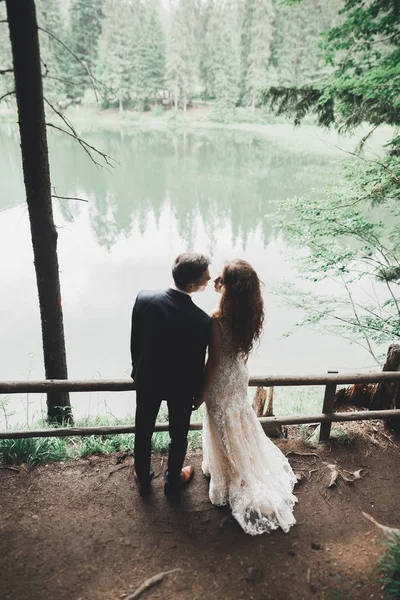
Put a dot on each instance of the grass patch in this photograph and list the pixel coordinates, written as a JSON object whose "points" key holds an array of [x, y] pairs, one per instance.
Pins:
{"points": [[298, 400], [342, 436], [35, 451], [390, 567]]}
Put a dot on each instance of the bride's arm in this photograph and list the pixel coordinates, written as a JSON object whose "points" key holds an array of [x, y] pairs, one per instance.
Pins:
{"points": [[213, 360]]}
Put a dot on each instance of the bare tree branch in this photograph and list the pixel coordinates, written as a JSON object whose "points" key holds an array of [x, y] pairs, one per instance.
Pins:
{"points": [[46, 68], [82, 63], [87, 147], [355, 312], [69, 198], [60, 79], [377, 162], [7, 94], [297, 304], [4, 71]]}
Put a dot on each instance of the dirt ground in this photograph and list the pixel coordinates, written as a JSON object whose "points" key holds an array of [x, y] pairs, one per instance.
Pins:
{"points": [[80, 530]]}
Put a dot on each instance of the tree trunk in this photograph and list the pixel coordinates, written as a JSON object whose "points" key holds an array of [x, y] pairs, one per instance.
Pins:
{"points": [[121, 106], [387, 395], [29, 92], [253, 102]]}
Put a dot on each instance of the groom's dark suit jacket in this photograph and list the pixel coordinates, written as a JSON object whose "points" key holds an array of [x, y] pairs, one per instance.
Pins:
{"points": [[169, 338]]}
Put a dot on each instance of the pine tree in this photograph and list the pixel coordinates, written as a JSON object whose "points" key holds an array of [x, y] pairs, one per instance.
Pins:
{"points": [[84, 32], [225, 67], [182, 51], [256, 47], [206, 60], [116, 51], [296, 44], [153, 49], [54, 56]]}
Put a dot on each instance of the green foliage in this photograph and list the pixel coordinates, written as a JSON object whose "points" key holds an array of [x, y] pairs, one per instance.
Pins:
{"points": [[342, 436], [390, 567], [182, 51], [153, 52], [224, 69], [295, 53], [85, 22], [363, 52], [33, 451], [54, 56], [256, 45], [225, 50], [116, 51], [350, 237]]}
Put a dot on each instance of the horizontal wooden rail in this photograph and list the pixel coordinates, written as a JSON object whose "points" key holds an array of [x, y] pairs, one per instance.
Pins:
{"points": [[265, 422], [119, 385]]}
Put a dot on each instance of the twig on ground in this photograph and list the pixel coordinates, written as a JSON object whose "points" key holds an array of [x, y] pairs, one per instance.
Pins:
{"points": [[150, 583], [323, 497], [385, 529], [11, 468], [302, 454], [117, 469], [16, 510]]}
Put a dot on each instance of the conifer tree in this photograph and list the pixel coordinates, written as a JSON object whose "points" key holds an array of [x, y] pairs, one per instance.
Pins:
{"points": [[225, 67], [256, 47], [182, 51], [85, 24], [55, 58], [116, 56], [153, 49]]}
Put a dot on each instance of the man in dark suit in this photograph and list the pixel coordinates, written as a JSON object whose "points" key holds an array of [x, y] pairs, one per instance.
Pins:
{"points": [[169, 338]]}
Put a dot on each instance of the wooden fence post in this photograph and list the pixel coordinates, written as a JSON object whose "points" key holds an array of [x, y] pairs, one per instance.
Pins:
{"points": [[327, 408]]}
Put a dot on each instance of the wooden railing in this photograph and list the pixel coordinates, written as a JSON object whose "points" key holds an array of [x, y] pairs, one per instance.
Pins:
{"points": [[330, 381]]}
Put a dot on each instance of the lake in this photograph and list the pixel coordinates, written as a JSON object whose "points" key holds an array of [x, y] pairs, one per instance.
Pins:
{"points": [[207, 190]]}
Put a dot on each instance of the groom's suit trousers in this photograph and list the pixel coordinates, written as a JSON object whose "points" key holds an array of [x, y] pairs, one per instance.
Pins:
{"points": [[179, 411]]}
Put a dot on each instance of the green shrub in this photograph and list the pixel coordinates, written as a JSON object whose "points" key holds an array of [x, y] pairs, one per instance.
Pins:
{"points": [[390, 567]]}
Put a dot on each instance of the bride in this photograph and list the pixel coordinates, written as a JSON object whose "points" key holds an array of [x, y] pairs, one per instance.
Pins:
{"points": [[246, 470]]}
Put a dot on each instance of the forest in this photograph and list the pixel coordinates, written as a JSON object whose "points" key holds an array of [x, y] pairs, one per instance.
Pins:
{"points": [[150, 53]]}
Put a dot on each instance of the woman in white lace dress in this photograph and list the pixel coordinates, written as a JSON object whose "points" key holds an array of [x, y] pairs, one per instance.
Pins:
{"points": [[247, 471]]}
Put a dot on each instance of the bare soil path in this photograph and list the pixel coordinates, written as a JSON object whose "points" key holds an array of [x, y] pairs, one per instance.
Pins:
{"points": [[80, 531]]}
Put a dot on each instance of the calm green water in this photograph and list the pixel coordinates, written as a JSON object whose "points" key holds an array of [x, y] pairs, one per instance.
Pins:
{"points": [[212, 191]]}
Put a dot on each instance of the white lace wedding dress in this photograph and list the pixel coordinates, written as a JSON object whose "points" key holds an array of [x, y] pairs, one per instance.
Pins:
{"points": [[248, 472]]}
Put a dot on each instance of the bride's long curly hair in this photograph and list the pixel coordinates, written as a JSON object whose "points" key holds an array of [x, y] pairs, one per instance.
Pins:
{"points": [[241, 305]]}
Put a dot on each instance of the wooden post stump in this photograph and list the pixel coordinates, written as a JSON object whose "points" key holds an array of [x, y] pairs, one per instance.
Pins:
{"points": [[327, 408], [387, 395], [263, 406]]}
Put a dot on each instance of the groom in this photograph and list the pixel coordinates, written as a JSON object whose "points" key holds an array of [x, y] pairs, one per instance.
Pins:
{"points": [[169, 338]]}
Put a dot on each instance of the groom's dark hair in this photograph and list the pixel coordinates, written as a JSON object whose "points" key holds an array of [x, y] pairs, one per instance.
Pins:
{"points": [[189, 268]]}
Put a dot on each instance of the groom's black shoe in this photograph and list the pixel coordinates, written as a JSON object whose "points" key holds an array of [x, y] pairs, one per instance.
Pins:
{"points": [[144, 489], [185, 477]]}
